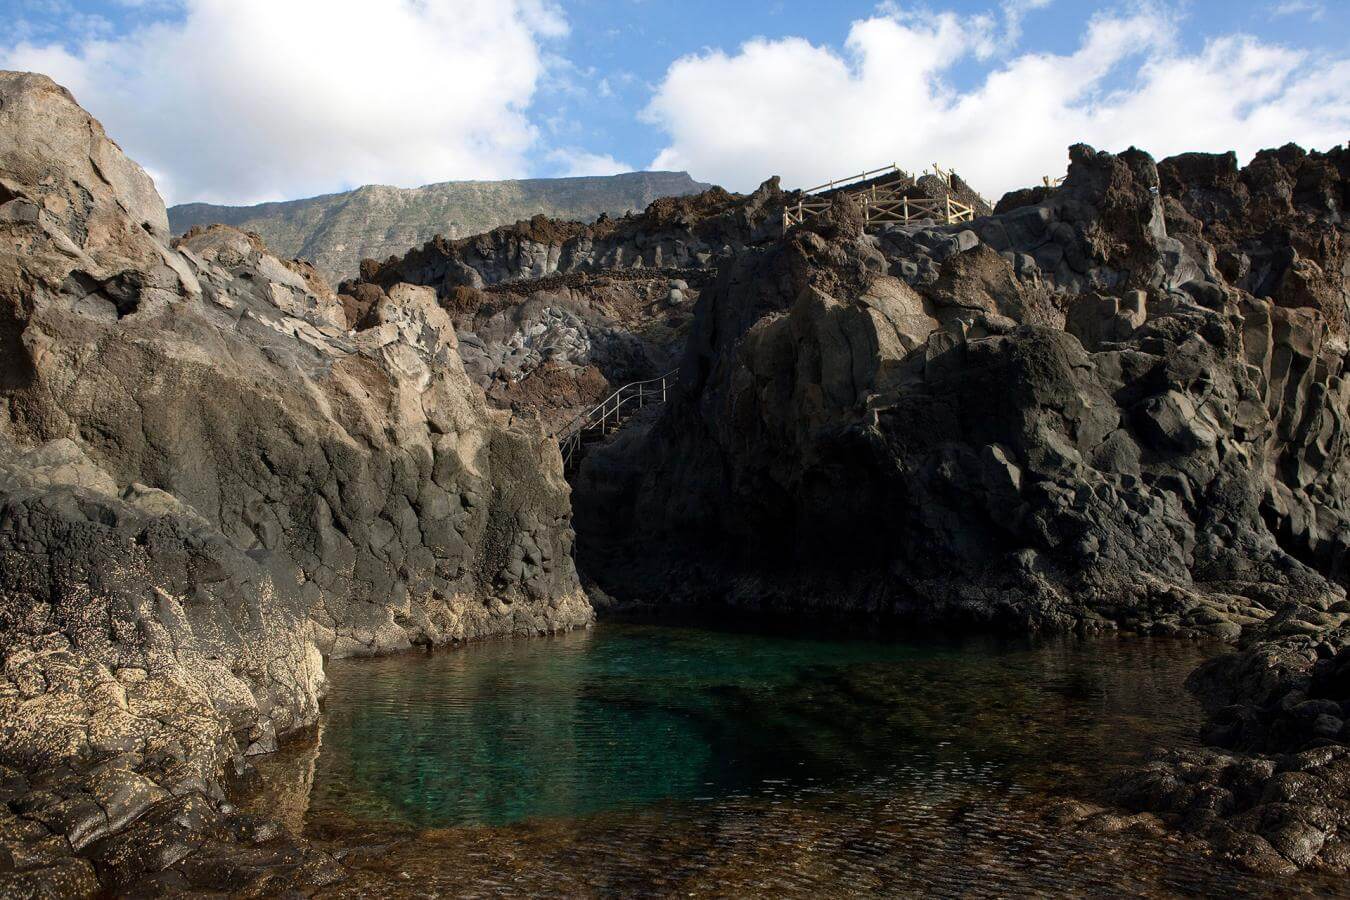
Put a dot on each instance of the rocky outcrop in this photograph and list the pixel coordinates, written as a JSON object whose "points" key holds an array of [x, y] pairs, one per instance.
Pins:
{"points": [[696, 232], [208, 484], [1271, 792], [553, 316], [1058, 417], [573, 311], [555, 346], [337, 231], [1273, 229], [1073, 414]]}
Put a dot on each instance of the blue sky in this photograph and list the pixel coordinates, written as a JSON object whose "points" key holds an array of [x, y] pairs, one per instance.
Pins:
{"points": [[632, 42], [249, 100]]}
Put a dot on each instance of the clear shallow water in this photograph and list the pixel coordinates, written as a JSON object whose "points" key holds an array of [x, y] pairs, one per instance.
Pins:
{"points": [[659, 760]]}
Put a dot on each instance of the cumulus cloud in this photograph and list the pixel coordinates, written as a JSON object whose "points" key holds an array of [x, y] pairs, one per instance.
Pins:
{"points": [[572, 162], [250, 100], [809, 113]]}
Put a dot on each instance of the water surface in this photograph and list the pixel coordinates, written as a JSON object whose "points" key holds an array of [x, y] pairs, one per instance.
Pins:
{"points": [[657, 760]]}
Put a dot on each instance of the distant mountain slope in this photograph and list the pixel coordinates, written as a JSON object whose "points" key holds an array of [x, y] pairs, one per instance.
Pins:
{"points": [[337, 231]]}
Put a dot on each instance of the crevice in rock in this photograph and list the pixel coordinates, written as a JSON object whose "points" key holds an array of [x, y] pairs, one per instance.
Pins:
{"points": [[16, 366]]}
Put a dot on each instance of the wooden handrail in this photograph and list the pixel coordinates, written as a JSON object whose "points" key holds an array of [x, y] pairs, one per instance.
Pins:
{"points": [[831, 185], [883, 205]]}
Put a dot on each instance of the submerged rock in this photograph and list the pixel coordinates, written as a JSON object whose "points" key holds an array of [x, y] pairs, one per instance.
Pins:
{"points": [[208, 484]]}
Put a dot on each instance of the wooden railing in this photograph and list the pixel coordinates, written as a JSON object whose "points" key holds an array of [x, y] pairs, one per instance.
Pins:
{"points": [[853, 179], [610, 413], [884, 206]]}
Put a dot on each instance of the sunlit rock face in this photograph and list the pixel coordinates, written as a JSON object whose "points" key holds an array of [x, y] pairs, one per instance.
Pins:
{"points": [[377, 221], [208, 483]]}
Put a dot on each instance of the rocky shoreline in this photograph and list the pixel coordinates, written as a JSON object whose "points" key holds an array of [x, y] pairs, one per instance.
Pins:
{"points": [[208, 484], [1115, 405]]}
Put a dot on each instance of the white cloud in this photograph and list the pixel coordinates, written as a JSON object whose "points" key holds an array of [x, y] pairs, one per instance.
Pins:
{"points": [[1313, 10], [249, 100], [571, 162], [810, 113]]}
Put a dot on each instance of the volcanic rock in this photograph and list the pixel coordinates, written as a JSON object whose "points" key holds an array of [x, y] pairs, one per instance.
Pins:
{"points": [[208, 485]]}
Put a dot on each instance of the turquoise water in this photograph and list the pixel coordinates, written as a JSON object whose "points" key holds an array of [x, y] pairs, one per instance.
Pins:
{"points": [[645, 761], [627, 716]]}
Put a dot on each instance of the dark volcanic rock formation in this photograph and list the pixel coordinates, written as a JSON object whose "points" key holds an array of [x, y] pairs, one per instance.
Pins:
{"points": [[553, 315], [207, 485], [1276, 227], [1273, 793], [1060, 417], [675, 232], [1116, 404]]}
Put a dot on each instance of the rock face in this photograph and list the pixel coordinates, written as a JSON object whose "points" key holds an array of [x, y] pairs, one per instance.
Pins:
{"points": [[1116, 404], [1272, 793], [695, 232], [208, 483], [552, 316], [553, 349], [573, 311], [337, 231], [1060, 417]]}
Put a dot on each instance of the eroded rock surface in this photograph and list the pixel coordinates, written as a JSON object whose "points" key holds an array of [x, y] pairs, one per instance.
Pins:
{"points": [[337, 231], [209, 483], [553, 316], [1118, 404]]}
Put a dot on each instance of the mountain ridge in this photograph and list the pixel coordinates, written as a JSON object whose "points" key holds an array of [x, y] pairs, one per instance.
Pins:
{"points": [[336, 231]]}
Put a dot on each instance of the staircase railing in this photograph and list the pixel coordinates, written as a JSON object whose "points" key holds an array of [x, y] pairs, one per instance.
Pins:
{"points": [[610, 413]]}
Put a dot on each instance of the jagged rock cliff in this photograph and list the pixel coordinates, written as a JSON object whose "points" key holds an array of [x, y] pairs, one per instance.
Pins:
{"points": [[337, 231], [673, 233], [554, 315], [1061, 416], [208, 483], [573, 310], [1116, 404]]}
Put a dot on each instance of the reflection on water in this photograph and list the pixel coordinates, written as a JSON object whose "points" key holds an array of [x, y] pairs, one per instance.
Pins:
{"points": [[642, 759]]}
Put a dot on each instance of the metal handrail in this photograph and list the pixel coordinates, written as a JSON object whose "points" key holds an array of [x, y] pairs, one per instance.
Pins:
{"points": [[600, 415]]}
